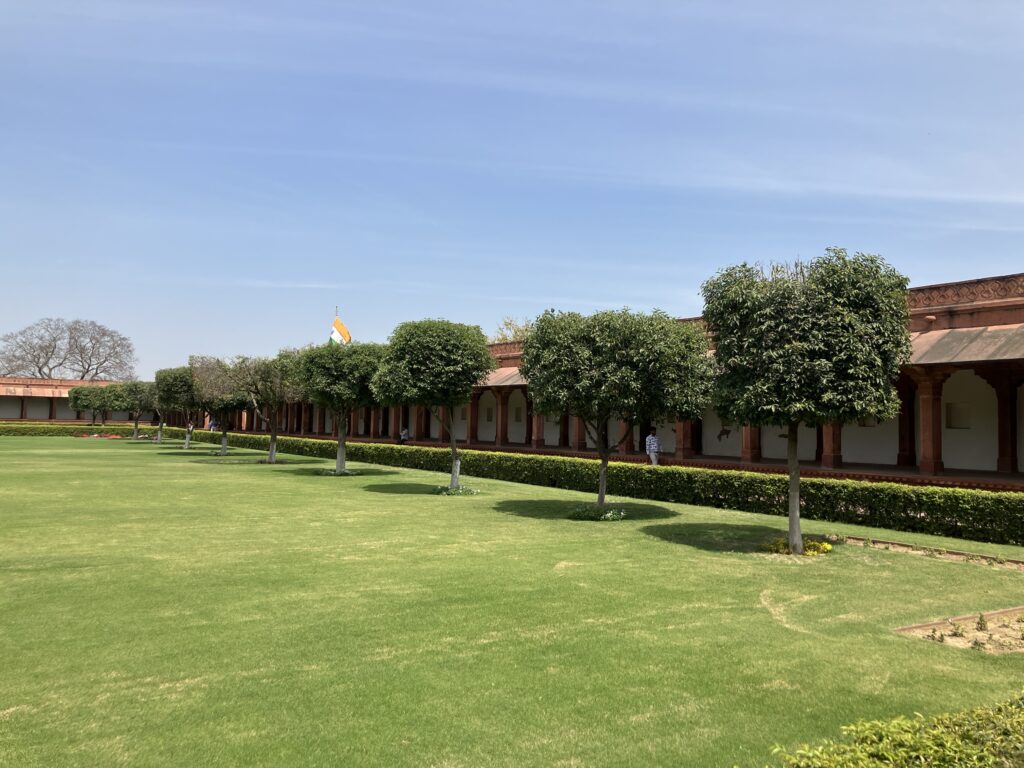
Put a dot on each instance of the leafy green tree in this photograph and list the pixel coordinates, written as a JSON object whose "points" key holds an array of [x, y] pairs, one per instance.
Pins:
{"points": [[269, 384], [176, 391], [337, 377], [218, 394], [809, 343], [616, 366], [137, 398], [436, 364], [91, 399], [512, 329]]}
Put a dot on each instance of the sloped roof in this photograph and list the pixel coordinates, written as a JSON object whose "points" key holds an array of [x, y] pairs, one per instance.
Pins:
{"points": [[505, 377], [968, 345]]}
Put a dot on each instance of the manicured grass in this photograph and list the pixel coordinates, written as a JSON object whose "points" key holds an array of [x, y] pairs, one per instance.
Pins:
{"points": [[163, 608]]}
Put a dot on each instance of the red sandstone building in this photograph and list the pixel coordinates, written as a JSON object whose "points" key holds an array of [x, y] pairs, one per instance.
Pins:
{"points": [[961, 420]]}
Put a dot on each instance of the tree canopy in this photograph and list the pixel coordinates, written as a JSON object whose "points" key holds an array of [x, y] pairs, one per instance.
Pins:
{"points": [[812, 343], [512, 329], [136, 397], [176, 391], [616, 365], [434, 363], [269, 384], [337, 377], [216, 392], [54, 348]]}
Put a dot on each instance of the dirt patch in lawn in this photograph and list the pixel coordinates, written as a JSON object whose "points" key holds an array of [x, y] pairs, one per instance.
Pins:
{"points": [[993, 632]]}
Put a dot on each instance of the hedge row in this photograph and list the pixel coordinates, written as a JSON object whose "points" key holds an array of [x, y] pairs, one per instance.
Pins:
{"points": [[987, 736], [959, 513]]}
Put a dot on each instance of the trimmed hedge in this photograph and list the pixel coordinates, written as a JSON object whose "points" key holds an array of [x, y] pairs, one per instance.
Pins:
{"points": [[987, 736], [955, 512]]}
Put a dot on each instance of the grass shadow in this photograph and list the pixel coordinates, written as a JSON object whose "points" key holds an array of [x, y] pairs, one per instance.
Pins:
{"points": [[328, 471], [716, 537], [409, 489], [550, 509]]}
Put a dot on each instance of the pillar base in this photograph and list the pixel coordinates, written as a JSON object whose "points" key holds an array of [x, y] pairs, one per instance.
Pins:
{"points": [[831, 461], [929, 467], [906, 460]]}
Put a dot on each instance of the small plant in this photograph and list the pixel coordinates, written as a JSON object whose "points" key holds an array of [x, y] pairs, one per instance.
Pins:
{"points": [[597, 514], [957, 631], [443, 490], [812, 547], [1020, 619], [981, 624], [978, 644]]}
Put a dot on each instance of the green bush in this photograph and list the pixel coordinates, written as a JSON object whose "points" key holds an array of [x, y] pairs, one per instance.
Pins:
{"points": [[987, 736], [958, 513]]}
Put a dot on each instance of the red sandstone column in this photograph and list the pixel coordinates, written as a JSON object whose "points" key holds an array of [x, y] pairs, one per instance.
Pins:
{"points": [[396, 421], [907, 452], [24, 408], [929, 393], [563, 431], [1005, 386], [537, 440], [473, 425], [832, 446], [321, 420], [686, 439], [443, 435], [750, 450], [374, 422], [53, 408], [501, 436], [579, 434], [625, 446]]}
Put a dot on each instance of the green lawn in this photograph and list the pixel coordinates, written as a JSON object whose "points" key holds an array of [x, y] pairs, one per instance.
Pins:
{"points": [[164, 608]]}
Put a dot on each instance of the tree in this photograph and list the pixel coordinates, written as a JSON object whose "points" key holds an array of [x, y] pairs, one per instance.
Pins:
{"points": [[91, 399], [512, 329], [337, 377], [57, 348], [809, 343], [137, 397], [436, 364], [176, 391], [217, 393], [269, 383], [616, 365]]}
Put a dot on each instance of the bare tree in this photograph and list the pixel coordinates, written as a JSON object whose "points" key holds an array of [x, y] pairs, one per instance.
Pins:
{"points": [[57, 348]]}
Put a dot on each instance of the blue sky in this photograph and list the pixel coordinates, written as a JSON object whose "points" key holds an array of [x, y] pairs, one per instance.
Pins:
{"points": [[214, 177]]}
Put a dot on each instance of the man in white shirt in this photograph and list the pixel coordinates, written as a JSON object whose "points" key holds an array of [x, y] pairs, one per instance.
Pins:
{"points": [[653, 446]]}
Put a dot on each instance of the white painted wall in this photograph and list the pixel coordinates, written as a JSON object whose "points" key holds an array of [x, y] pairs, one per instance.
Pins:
{"points": [[879, 444], [64, 410], [517, 408], [461, 425], [435, 427], [773, 442], [10, 407], [552, 429], [977, 446], [727, 445], [38, 408], [667, 436], [487, 422]]}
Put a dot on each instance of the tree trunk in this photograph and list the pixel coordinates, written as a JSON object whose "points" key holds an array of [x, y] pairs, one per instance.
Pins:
{"points": [[160, 431], [272, 453], [796, 540], [135, 431], [188, 435], [453, 485], [223, 441], [602, 479], [339, 464]]}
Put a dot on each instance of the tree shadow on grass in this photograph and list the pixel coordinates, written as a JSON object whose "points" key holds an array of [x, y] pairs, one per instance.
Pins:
{"points": [[549, 509], [328, 471], [408, 489], [716, 537]]}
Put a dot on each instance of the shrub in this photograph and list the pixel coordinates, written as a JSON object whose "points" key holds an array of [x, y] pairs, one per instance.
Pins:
{"points": [[812, 547], [955, 512], [987, 736]]}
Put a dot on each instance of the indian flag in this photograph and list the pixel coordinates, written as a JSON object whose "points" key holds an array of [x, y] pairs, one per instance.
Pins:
{"points": [[339, 333]]}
